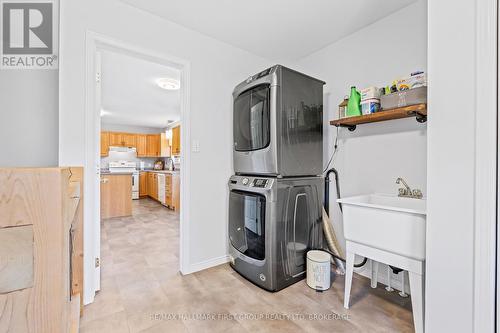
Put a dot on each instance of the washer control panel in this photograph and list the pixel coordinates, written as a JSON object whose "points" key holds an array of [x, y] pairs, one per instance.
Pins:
{"points": [[252, 182], [259, 182]]}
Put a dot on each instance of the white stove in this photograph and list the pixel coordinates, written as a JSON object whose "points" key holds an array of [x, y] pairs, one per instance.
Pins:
{"points": [[126, 167], [122, 166]]}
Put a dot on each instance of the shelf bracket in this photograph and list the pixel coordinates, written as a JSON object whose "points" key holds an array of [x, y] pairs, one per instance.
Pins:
{"points": [[351, 128], [421, 118]]}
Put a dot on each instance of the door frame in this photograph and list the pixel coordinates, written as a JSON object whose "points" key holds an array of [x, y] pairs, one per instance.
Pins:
{"points": [[486, 297], [96, 42]]}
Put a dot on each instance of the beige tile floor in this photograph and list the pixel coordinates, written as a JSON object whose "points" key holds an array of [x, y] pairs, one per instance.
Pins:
{"points": [[142, 291]]}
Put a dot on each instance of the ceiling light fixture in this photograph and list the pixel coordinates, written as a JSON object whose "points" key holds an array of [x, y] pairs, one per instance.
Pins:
{"points": [[168, 84], [104, 113]]}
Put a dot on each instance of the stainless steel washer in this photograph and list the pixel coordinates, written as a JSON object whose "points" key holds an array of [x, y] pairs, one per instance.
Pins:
{"points": [[273, 222]]}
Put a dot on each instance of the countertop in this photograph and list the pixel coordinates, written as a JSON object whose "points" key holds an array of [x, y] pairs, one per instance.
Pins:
{"points": [[162, 171], [108, 173]]}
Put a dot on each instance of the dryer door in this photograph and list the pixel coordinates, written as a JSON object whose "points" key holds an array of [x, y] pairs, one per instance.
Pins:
{"points": [[251, 119], [247, 213]]}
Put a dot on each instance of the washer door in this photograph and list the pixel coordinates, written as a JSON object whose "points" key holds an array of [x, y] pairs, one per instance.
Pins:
{"points": [[247, 214]]}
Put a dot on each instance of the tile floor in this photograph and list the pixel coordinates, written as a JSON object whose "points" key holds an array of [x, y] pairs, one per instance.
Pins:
{"points": [[142, 291]]}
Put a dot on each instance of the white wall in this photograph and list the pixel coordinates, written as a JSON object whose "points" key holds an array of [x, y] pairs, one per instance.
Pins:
{"points": [[215, 69], [453, 167], [28, 118], [371, 158]]}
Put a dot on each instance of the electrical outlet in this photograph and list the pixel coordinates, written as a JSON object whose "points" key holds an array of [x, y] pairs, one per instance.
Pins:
{"points": [[196, 146]]}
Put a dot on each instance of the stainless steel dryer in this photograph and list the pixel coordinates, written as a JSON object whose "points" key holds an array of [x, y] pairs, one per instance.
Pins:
{"points": [[273, 222], [278, 124]]}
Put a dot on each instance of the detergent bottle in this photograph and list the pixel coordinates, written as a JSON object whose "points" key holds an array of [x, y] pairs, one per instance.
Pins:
{"points": [[353, 106]]}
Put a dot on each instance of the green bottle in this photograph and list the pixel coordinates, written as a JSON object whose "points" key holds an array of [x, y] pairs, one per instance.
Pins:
{"points": [[353, 106]]}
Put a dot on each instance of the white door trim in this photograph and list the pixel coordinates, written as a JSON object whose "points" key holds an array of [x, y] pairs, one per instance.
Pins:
{"points": [[94, 43], [485, 164]]}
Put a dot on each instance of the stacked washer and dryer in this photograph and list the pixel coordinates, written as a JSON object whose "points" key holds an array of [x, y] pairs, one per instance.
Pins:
{"points": [[276, 194]]}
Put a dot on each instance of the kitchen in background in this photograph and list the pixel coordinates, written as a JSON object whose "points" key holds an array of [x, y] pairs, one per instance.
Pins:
{"points": [[140, 136], [151, 160]]}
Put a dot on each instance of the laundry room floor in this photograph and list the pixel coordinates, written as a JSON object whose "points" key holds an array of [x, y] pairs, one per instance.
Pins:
{"points": [[142, 291]]}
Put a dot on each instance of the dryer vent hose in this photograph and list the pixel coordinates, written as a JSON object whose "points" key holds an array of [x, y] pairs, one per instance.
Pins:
{"points": [[334, 247], [331, 239]]}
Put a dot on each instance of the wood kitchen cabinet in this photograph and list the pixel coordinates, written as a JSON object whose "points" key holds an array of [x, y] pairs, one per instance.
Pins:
{"points": [[172, 188], [117, 139], [147, 145], [149, 183], [152, 185], [164, 145], [141, 145], [104, 143], [168, 191], [153, 144], [172, 191], [155, 186], [176, 141], [128, 139], [143, 184], [176, 191]]}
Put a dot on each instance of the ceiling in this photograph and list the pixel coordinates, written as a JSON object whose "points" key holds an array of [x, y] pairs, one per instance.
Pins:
{"points": [[278, 30], [130, 95]]}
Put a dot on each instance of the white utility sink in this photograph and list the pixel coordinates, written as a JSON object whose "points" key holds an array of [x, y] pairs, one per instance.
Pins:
{"points": [[390, 230], [390, 223]]}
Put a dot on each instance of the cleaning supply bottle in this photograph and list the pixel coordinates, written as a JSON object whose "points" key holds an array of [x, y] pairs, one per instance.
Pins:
{"points": [[353, 106]]}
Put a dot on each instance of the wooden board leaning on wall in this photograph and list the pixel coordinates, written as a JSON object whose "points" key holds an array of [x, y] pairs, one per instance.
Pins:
{"points": [[41, 225]]}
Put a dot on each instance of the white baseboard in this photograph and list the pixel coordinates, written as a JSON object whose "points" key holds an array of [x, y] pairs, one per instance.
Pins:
{"points": [[199, 266]]}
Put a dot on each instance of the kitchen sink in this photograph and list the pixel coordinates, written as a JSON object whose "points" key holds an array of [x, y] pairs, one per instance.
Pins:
{"points": [[385, 222]]}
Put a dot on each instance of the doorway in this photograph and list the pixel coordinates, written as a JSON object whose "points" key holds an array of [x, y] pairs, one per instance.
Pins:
{"points": [[147, 148]]}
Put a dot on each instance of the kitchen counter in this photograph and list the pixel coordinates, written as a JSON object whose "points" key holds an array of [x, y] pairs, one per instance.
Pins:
{"points": [[162, 171], [116, 195], [108, 173]]}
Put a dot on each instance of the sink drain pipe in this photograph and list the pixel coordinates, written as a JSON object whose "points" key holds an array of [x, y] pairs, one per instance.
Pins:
{"points": [[333, 245]]}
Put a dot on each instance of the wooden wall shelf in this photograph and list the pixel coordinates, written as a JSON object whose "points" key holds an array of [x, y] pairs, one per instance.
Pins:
{"points": [[419, 111]]}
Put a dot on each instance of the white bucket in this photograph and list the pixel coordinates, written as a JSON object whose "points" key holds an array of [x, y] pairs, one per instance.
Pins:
{"points": [[318, 270]]}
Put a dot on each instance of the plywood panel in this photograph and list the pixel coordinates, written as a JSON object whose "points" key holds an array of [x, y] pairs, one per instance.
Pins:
{"points": [[35, 197], [77, 241], [13, 314], [16, 258]]}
